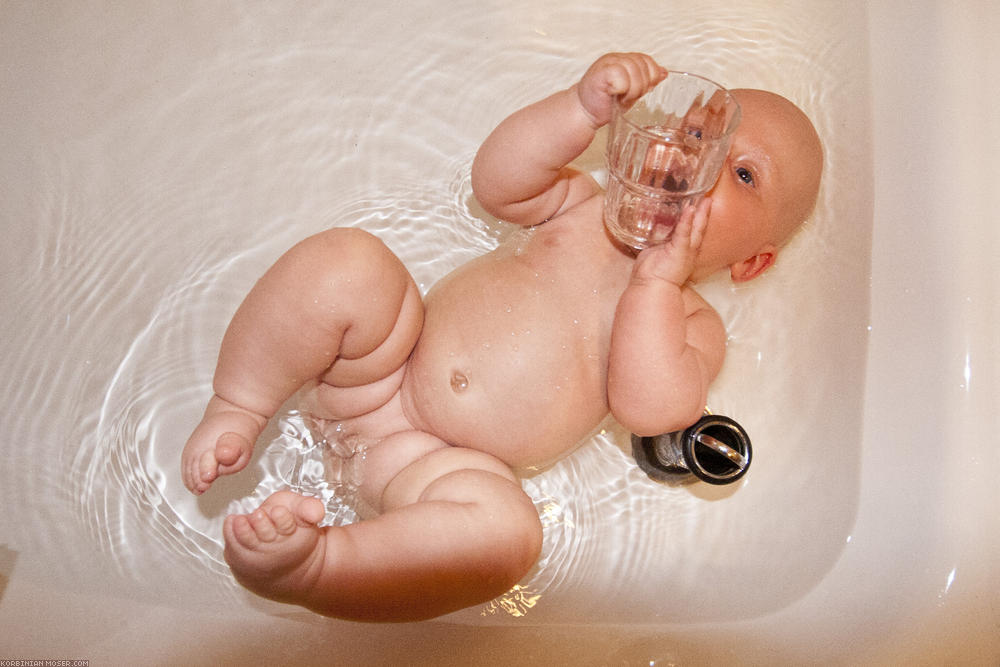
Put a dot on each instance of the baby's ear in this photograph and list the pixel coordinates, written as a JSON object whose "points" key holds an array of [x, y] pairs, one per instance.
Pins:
{"points": [[750, 268]]}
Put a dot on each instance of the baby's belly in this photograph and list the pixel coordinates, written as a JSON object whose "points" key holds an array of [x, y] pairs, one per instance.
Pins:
{"points": [[505, 368]]}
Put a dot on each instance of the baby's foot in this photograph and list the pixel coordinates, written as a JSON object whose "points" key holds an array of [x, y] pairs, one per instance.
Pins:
{"points": [[220, 445], [276, 550]]}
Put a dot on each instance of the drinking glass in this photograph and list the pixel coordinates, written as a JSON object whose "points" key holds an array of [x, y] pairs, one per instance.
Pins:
{"points": [[664, 154]]}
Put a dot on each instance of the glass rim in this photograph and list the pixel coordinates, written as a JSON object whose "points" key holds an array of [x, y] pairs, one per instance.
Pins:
{"points": [[621, 113]]}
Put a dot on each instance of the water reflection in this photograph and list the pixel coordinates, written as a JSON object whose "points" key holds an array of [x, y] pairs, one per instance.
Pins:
{"points": [[168, 178]]}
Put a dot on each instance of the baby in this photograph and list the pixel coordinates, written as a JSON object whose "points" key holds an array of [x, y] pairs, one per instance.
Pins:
{"points": [[508, 363]]}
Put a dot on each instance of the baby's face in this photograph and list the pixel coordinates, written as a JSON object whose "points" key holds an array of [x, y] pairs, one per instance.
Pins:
{"points": [[767, 186]]}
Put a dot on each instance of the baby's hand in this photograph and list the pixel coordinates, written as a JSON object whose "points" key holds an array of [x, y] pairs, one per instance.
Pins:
{"points": [[628, 75], [673, 261]]}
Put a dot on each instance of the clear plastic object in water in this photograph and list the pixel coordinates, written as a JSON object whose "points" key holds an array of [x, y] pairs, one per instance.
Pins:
{"points": [[330, 468]]}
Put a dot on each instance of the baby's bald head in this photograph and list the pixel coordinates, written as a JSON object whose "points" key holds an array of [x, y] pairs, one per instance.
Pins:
{"points": [[793, 145]]}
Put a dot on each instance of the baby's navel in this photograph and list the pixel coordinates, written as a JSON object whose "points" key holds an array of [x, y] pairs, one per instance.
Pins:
{"points": [[459, 382]]}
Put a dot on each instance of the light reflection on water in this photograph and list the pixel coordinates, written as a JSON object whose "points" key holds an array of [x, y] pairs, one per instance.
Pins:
{"points": [[154, 209]]}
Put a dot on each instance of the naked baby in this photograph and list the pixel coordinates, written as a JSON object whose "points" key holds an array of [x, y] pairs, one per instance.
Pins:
{"points": [[508, 363]]}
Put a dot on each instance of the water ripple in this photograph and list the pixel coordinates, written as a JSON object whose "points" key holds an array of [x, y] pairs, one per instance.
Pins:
{"points": [[168, 186]]}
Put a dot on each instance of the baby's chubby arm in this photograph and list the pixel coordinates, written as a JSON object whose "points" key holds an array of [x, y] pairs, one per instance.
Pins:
{"points": [[667, 343], [520, 173]]}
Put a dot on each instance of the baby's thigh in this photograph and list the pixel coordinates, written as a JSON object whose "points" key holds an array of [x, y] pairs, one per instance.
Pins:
{"points": [[376, 310], [402, 466], [436, 474], [390, 456]]}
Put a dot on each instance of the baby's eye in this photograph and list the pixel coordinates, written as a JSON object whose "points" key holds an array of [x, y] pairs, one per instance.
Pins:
{"points": [[745, 175]]}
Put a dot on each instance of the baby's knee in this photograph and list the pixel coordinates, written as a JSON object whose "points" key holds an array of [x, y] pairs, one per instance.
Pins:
{"points": [[344, 251], [340, 270], [343, 238], [512, 523], [485, 487], [510, 529], [331, 265]]}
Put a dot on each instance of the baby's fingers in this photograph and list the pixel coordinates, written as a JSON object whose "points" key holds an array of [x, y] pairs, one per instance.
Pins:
{"points": [[625, 76], [639, 73], [699, 222], [690, 228]]}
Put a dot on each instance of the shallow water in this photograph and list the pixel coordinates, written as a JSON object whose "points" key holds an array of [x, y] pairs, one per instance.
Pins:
{"points": [[152, 182]]}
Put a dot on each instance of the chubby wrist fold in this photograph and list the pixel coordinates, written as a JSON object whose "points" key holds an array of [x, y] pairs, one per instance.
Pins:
{"points": [[656, 283], [647, 276], [596, 111]]}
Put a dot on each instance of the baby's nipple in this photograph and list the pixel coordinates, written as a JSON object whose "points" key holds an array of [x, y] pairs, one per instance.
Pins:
{"points": [[459, 382]]}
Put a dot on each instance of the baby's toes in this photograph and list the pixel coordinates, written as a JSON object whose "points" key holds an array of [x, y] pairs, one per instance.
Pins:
{"points": [[237, 529], [208, 469], [283, 520], [191, 475], [310, 510], [305, 509], [262, 525], [230, 448]]}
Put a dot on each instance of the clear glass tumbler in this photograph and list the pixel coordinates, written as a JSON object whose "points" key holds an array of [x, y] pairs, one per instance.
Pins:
{"points": [[664, 154]]}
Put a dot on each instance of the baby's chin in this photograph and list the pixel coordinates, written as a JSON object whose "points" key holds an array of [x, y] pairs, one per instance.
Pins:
{"points": [[708, 273]]}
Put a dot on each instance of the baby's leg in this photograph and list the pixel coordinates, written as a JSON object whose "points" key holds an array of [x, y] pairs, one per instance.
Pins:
{"points": [[457, 530], [276, 543], [337, 306]]}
